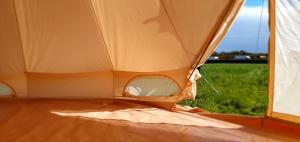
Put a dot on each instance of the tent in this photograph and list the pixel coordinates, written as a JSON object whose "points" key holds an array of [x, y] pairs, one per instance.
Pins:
{"points": [[113, 70]]}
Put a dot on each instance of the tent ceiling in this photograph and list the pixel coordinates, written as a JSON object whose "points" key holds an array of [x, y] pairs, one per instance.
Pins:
{"points": [[73, 36], [49, 48]]}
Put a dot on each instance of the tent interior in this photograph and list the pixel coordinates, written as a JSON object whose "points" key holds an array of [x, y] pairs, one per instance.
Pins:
{"points": [[113, 70]]}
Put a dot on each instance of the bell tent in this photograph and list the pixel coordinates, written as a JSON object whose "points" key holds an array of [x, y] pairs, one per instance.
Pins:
{"points": [[113, 70]]}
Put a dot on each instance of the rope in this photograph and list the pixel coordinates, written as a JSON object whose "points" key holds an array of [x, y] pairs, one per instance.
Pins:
{"points": [[217, 92], [259, 26]]}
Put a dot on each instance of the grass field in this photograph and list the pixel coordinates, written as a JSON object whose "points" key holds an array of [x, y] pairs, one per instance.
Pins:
{"points": [[232, 88]]}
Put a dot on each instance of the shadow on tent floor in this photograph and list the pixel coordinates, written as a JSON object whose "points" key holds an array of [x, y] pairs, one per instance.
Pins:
{"points": [[108, 120]]}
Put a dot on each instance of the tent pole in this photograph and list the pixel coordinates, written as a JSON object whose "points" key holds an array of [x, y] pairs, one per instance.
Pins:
{"points": [[271, 58]]}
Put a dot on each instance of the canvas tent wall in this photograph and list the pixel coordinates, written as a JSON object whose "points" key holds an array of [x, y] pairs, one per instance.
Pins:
{"points": [[92, 48], [284, 53]]}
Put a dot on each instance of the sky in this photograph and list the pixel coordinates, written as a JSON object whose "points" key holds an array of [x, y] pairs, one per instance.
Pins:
{"points": [[243, 34]]}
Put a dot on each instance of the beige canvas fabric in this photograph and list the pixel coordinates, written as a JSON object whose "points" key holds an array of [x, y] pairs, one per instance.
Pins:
{"points": [[221, 31], [77, 48], [12, 67], [187, 16], [11, 54], [60, 36], [82, 85], [139, 34], [123, 78]]}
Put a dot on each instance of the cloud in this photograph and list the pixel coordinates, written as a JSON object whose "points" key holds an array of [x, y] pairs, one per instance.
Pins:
{"points": [[253, 12], [244, 32]]}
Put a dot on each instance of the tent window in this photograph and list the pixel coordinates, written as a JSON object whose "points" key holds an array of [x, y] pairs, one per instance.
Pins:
{"points": [[151, 86], [5, 90]]}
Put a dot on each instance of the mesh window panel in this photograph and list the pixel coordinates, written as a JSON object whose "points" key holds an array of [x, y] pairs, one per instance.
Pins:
{"points": [[152, 86], [5, 90]]}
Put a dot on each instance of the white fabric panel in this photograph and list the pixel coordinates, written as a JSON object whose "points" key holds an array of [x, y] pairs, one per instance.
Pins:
{"points": [[139, 36], [61, 36], [287, 58]]}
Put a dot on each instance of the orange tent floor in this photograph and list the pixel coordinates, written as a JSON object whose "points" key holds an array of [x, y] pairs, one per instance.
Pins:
{"points": [[115, 120]]}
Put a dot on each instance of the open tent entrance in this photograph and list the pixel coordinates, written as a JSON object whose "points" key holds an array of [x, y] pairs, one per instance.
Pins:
{"points": [[235, 78]]}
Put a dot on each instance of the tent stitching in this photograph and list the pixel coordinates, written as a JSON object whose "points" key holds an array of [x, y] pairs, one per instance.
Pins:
{"points": [[209, 39], [19, 32], [100, 32], [173, 26], [21, 44], [221, 35]]}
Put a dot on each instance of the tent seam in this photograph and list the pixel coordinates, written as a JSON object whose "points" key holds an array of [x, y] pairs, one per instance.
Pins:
{"points": [[100, 31], [19, 32], [213, 32], [222, 35], [102, 37], [21, 44], [173, 26], [207, 43]]}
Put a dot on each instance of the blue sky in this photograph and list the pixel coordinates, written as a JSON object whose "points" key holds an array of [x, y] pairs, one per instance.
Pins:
{"points": [[243, 33]]}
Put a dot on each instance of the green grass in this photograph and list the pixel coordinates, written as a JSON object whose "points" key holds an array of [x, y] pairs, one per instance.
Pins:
{"points": [[232, 88]]}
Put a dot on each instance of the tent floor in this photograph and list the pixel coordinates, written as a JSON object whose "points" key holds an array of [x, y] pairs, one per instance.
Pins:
{"points": [[114, 120]]}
